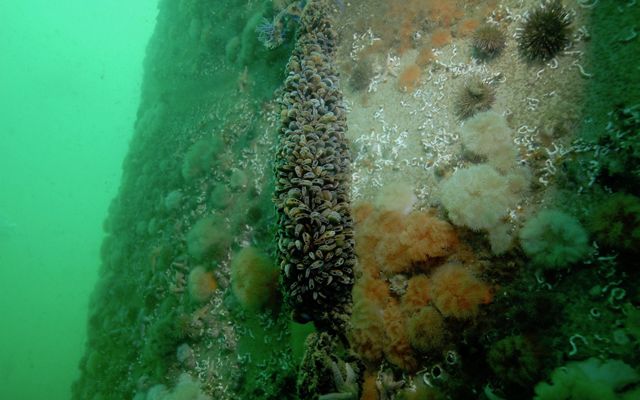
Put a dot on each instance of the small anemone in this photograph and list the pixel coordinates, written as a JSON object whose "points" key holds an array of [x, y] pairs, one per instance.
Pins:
{"points": [[474, 96], [545, 31], [361, 75], [270, 33], [488, 41]]}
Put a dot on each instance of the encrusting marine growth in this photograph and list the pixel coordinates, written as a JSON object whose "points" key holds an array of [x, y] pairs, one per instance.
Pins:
{"points": [[315, 234]]}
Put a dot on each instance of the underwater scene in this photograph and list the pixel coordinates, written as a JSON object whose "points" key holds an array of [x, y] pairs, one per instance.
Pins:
{"points": [[372, 200]]}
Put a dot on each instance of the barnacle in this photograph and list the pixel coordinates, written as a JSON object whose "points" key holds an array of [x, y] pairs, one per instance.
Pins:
{"points": [[545, 31]]}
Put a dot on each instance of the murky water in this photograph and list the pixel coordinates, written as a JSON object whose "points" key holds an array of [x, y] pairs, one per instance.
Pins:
{"points": [[358, 200]]}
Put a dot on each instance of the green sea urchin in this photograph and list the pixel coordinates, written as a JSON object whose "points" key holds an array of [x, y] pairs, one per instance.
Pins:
{"points": [[488, 41], [473, 97], [545, 31]]}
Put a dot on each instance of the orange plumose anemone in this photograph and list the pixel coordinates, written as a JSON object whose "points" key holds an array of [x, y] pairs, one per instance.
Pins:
{"points": [[457, 293], [426, 329], [444, 12], [426, 236], [367, 237], [425, 56], [254, 279], [385, 226], [373, 289], [440, 38], [393, 242], [417, 294], [397, 347], [409, 239], [208, 238], [409, 78], [361, 211], [467, 26], [369, 388], [366, 333], [202, 284]]}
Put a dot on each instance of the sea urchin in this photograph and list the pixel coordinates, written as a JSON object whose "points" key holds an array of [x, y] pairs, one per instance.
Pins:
{"points": [[545, 31], [488, 41], [474, 96]]}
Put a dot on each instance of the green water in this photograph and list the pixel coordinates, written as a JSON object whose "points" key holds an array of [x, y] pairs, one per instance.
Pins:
{"points": [[70, 82], [143, 145]]}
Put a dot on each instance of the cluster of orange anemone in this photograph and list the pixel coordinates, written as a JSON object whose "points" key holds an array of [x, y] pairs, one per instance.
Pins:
{"points": [[411, 280]]}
